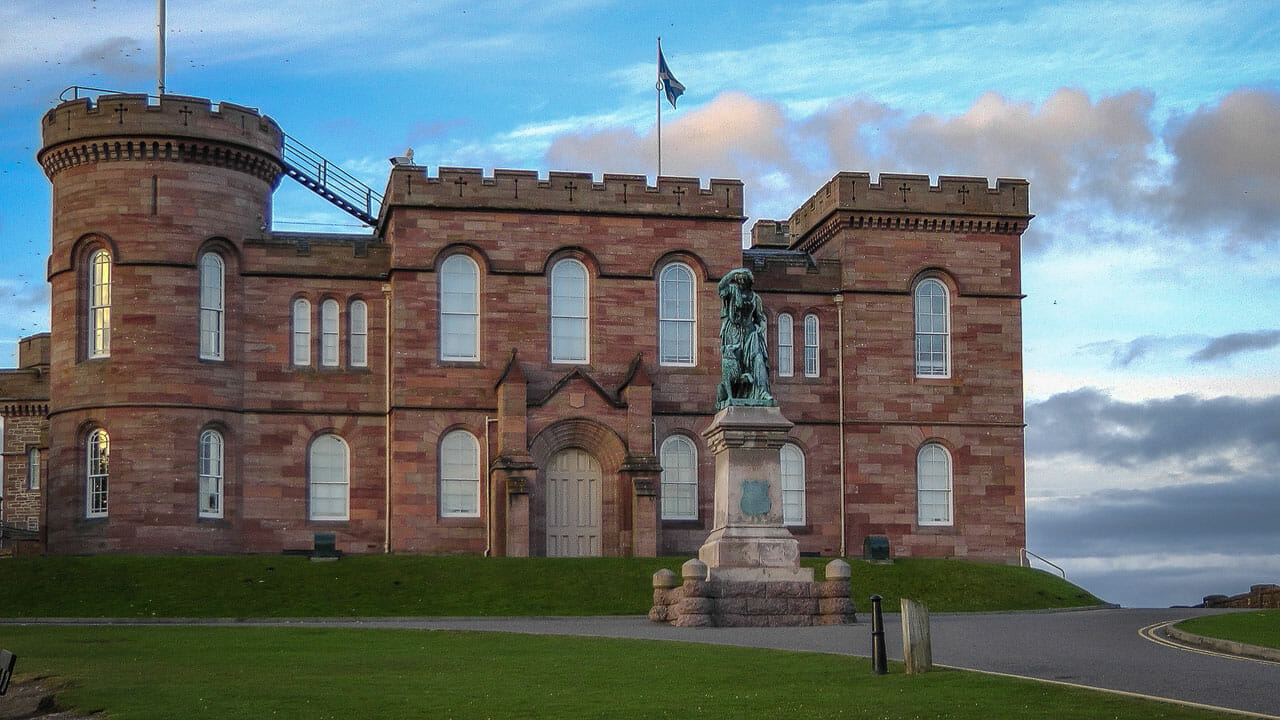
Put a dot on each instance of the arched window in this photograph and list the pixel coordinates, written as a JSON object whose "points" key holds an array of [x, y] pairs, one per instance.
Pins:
{"points": [[933, 329], [811, 366], [211, 306], [359, 345], [328, 477], [933, 485], [679, 460], [33, 469], [459, 309], [210, 480], [329, 333], [791, 458], [97, 476], [786, 340], [569, 330], [677, 316], [99, 310], [459, 475], [301, 332]]}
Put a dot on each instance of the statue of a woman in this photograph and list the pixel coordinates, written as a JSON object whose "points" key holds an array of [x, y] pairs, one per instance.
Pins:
{"points": [[744, 353]]}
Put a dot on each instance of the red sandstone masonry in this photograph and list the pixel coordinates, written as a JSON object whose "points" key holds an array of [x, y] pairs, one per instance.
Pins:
{"points": [[213, 173]]}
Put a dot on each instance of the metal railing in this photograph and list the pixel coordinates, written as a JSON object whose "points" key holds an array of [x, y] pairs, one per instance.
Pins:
{"points": [[1024, 554], [301, 163], [76, 91], [330, 182]]}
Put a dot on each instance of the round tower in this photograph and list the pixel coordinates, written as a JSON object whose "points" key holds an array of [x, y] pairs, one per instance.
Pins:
{"points": [[152, 204]]}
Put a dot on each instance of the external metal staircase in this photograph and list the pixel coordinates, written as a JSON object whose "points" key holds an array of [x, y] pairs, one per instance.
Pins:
{"points": [[330, 182], [301, 163]]}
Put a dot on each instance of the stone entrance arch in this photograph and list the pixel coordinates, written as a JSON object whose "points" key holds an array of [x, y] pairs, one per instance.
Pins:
{"points": [[566, 453]]}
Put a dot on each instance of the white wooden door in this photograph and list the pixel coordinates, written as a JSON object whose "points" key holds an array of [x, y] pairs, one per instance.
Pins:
{"points": [[573, 505]]}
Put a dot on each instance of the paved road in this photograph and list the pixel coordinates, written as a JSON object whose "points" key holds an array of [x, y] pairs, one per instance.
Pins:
{"points": [[1095, 648]]}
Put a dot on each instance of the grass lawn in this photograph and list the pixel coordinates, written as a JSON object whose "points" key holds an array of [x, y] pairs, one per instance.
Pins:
{"points": [[166, 672], [1260, 628], [409, 585]]}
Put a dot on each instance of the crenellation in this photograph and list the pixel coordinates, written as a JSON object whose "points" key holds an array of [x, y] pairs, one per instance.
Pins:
{"points": [[968, 202], [573, 192], [186, 129]]}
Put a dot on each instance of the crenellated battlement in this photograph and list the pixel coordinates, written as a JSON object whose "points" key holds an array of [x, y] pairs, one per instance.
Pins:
{"points": [[968, 198], [176, 127], [469, 188]]}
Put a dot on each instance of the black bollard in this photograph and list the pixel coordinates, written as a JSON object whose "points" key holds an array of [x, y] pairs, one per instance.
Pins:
{"points": [[879, 663]]}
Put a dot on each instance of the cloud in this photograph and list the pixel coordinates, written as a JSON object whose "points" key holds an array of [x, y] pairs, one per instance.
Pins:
{"points": [[1099, 170], [1157, 546], [1227, 159], [1090, 424], [1074, 149], [1228, 345], [1124, 354]]}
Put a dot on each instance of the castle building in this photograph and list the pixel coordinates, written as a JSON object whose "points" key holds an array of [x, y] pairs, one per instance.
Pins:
{"points": [[24, 407], [508, 364]]}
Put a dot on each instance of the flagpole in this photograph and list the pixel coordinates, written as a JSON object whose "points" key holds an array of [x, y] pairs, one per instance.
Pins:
{"points": [[658, 87], [160, 48]]}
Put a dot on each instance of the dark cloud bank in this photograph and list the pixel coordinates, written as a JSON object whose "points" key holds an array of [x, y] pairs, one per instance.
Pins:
{"points": [[1150, 544], [1207, 350]]}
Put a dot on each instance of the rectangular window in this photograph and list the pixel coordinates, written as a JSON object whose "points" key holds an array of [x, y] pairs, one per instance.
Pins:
{"points": [[359, 334], [329, 333], [459, 309], [100, 305], [679, 482], [210, 480], [811, 367], [786, 338], [301, 332], [459, 475], [211, 307], [677, 313], [791, 458], [33, 469], [97, 475], [569, 316], [329, 477]]}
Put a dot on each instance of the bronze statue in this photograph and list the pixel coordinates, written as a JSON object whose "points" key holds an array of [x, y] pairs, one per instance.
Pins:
{"points": [[744, 352]]}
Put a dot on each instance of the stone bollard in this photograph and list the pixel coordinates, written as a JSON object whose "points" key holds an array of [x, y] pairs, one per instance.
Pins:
{"points": [[835, 607], [665, 595], [917, 650], [696, 605]]}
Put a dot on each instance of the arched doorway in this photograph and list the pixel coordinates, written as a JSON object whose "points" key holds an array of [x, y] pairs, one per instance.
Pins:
{"points": [[574, 484]]}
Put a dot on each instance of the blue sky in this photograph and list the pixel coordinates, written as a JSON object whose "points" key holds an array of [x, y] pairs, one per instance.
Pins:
{"points": [[1150, 133]]}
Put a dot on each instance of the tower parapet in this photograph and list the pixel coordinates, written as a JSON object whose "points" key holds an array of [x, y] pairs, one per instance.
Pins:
{"points": [[468, 188], [968, 201], [177, 128]]}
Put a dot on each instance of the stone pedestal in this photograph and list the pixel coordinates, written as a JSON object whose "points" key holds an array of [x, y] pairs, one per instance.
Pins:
{"points": [[748, 541], [748, 572]]}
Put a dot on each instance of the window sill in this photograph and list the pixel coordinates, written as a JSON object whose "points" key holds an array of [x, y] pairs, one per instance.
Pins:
{"points": [[938, 529], [693, 524]]}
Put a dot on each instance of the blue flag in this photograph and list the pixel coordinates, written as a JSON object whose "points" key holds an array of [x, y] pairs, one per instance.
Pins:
{"points": [[669, 83]]}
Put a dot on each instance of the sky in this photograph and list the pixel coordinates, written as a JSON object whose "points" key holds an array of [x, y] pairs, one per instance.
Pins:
{"points": [[1150, 134]]}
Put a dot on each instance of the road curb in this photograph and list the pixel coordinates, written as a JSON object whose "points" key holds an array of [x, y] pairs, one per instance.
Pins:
{"points": [[1229, 647]]}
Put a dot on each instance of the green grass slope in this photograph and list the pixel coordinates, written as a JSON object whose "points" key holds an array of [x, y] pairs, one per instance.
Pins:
{"points": [[1260, 628], [144, 673], [402, 585]]}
